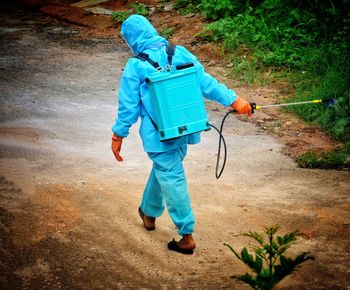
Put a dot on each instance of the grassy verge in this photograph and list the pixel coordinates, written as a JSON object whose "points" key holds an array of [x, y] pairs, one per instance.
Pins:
{"points": [[306, 43], [326, 160]]}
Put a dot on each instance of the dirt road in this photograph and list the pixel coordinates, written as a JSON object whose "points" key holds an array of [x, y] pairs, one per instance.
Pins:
{"points": [[68, 211]]}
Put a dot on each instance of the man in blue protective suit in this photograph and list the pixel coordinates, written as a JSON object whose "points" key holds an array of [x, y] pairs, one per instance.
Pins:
{"points": [[167, 185]]}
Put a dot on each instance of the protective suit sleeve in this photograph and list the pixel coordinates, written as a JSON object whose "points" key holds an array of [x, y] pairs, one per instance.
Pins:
{"points": [[128, 100], [213, 90]]}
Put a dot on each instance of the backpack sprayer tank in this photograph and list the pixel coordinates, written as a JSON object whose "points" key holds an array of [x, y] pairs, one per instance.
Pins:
{"points": [[177, 101]]}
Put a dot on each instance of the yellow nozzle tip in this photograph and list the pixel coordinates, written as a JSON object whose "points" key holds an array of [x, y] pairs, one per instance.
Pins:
{"points": [[317, 101], [258, 108]]}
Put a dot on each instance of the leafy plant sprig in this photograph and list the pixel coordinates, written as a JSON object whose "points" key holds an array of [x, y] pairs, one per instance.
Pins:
{"points": [[140, 9], [120, 16], [270, 265]]}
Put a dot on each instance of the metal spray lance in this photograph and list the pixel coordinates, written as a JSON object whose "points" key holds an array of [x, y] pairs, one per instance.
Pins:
{"points": [[254, 107], [326, 101]]}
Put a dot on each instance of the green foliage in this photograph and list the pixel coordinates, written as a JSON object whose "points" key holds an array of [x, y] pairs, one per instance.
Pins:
{"points": [[213, 9], [245, 70], [120, 16], [269, 264], [338, 159], [167, 32], [333, 84], [187, 6], [333, 118], [271, 43], [308, 40], [140, 9]]}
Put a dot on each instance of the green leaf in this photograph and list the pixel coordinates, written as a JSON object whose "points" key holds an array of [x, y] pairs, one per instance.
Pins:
{"points": [[247, 278], [140, 9], [288, 238], [288, 265], [258, 264], [246, 257], [270, 231], [255, 236], [233, 251], [120, 16], [265, 273], [302, 257]]}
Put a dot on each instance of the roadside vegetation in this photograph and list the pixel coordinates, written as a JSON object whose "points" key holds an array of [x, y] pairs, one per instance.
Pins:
{"points": [[270, 263], [305, 43], [140, 9]]}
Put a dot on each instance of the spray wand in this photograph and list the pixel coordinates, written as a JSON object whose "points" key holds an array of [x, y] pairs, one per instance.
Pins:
{"points": [[254, 107], [326, 101]]}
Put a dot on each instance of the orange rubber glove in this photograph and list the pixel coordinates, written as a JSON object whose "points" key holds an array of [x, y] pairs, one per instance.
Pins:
{"points": [[241, 106], [116, 146]]}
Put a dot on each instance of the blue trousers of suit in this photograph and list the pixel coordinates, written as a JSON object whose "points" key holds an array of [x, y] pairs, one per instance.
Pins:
{"points": [[167, 186]]}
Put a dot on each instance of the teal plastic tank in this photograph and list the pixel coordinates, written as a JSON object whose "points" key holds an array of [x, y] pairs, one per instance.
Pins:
{"points": [[177, 102]]}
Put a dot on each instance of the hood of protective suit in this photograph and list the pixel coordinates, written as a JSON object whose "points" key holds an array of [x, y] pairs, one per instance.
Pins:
{"points": [[140, 34]]}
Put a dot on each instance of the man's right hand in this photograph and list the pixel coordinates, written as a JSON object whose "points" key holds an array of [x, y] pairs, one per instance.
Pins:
{"points": [[116, 146]]}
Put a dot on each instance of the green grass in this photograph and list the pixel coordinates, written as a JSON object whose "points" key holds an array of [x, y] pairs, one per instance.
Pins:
{"points": [[305, 43], [327, 160]]}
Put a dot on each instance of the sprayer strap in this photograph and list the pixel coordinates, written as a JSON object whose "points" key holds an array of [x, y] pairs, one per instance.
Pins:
{"points": [[144, 57], [153, 122], [170, 50]]}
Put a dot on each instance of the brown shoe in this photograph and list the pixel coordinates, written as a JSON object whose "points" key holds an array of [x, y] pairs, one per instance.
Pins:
{"points": [[148, 221]]}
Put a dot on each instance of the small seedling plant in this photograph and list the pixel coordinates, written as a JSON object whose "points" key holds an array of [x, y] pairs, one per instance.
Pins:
{"points": [[270, 265]]}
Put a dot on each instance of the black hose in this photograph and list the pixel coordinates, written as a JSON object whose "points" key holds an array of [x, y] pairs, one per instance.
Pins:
{"points": [[217, 175], [221, 137]]}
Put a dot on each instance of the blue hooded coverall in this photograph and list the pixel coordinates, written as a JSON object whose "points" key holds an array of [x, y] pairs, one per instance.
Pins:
{"points": [[167, 183]]}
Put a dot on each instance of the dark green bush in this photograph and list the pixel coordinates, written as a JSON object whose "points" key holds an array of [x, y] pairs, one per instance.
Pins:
{"points": [[187, 6], [213, 9]]}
